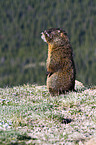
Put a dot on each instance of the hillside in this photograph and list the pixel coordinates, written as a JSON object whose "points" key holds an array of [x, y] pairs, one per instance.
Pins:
{"points": [[29, 115], [22, 52]]}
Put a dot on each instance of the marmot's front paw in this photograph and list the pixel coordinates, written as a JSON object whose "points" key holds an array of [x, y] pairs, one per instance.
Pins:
{"points": [[49, 74]]}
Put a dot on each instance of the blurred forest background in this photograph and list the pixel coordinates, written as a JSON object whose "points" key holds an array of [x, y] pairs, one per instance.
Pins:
{"points": [[23, 53]]}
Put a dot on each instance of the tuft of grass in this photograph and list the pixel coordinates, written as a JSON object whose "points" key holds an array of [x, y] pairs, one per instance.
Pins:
{"points": [[29, 115]]}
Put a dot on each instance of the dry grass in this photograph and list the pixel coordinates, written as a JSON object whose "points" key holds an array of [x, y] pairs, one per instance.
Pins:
{"points": [[29, 115]]}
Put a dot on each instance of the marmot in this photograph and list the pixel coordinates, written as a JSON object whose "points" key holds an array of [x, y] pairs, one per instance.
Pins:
{"points": [[60, 65]]}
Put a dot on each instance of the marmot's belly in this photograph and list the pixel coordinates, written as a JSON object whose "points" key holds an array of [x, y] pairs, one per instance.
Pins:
{"points": [[62, 81]]}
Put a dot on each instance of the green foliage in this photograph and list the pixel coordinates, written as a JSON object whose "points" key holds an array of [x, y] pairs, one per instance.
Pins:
{"points": [[21, 23]]}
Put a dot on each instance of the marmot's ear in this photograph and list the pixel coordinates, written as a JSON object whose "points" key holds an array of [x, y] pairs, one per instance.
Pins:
{"points": [[64, 36]]}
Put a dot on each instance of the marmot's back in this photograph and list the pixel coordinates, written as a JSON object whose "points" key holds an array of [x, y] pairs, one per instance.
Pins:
{"points": [[60, 64]]}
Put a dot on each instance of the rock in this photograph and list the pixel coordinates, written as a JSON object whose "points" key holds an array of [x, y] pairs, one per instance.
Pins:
{"points": [[92, 141]]}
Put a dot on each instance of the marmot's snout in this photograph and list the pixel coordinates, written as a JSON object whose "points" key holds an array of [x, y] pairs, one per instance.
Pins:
{"points": [[43, 37]]}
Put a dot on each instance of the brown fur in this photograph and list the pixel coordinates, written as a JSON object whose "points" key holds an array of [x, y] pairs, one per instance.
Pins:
{"points": [[60, 64]]}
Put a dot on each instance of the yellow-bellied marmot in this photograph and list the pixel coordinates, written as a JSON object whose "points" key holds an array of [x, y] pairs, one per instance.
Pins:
{"points": [[60, 64]]}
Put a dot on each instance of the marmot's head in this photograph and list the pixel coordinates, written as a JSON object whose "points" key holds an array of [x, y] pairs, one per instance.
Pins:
{"points": [[55, 36]]}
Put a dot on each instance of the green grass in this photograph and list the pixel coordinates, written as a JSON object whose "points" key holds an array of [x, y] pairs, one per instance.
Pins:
{"points": [[29, 115]]}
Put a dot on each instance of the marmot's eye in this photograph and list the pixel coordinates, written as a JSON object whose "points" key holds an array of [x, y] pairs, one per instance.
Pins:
{"points": [[47, 33]]}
